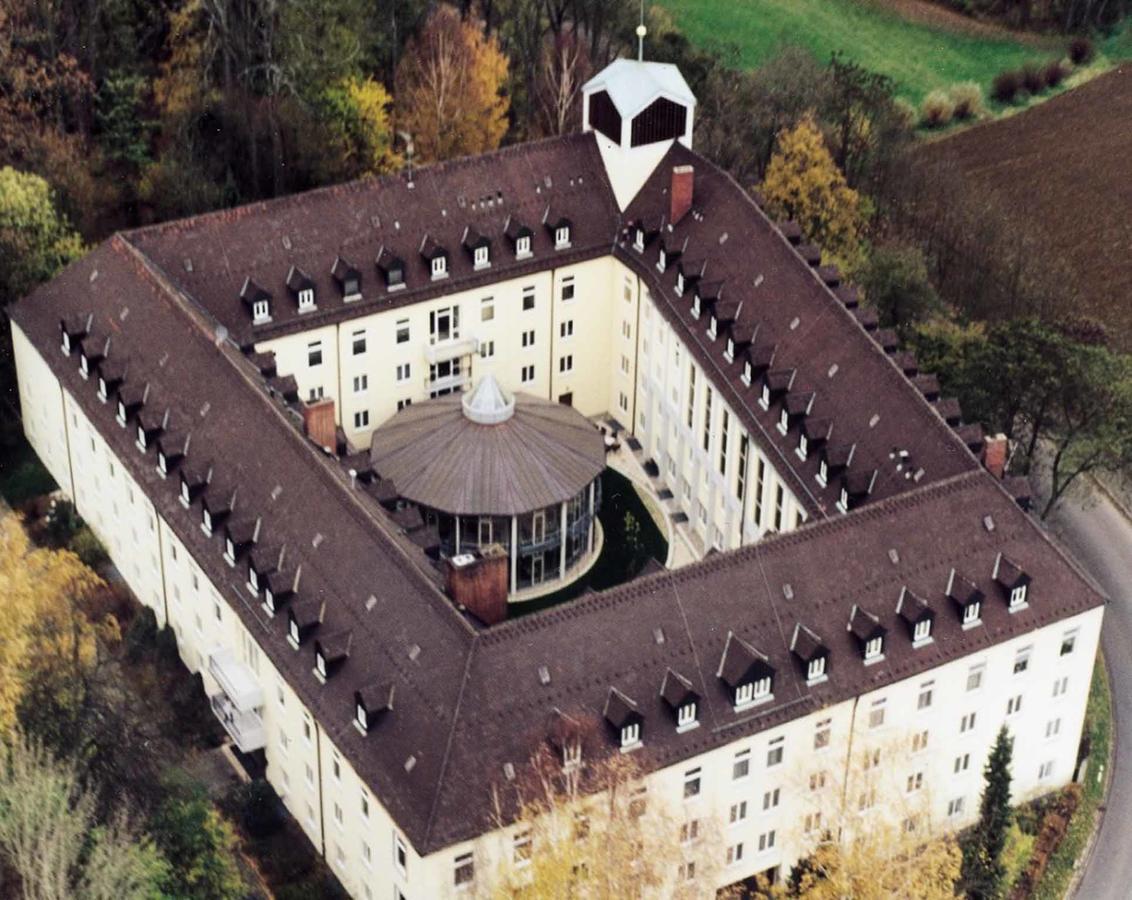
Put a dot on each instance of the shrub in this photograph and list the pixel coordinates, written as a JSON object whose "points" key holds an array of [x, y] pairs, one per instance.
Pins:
{"points": [[937, 109], [62, 522], [967, 98], [1054, 73], [1033, 78], [258, 808], [1006, 86], [1081, 50], [88, 548], [906, 113]]}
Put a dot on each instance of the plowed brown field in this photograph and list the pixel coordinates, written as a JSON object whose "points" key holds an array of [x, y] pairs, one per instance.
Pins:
{"points": [[1064, 168]]}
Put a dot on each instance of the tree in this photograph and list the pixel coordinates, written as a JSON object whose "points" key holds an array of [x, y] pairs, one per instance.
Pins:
{"points": [[983, 871], [590, 829], [199, 843], [36, 240], [50, 836], [896, 284], [450, 88], [43, 633], [803, 183], [565, 67], [357, 112]]}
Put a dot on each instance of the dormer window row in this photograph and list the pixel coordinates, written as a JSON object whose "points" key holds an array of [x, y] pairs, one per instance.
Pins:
{"points": [[349, 279]]}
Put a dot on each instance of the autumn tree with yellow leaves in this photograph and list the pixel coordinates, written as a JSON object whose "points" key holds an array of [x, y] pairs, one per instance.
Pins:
{"points": [[45, 635], [804, 183], [449, 88]]}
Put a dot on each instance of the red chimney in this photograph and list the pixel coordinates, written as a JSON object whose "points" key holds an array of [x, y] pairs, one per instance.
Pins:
{"points": [[683, 179], [318, 423], [994, 455]]}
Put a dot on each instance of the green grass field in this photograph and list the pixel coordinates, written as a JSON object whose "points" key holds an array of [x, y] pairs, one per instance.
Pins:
{"points": [[918, 55]]}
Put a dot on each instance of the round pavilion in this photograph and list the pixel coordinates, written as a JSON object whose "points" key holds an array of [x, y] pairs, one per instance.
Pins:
{"points": [[491, 468]]}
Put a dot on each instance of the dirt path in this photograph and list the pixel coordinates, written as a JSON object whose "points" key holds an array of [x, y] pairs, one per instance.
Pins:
{"points": [[925, 12]]}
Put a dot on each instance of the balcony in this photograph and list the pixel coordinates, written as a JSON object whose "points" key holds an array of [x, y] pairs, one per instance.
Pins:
{"points": [[245, 728], [237, 701], [451, 348], [447, 384]]}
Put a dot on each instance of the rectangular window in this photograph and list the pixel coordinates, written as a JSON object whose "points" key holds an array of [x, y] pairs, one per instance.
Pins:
{"points": [[566, 363], [692, 782], [691, 394], [760, 478], [1022, 660], [725, 422], [766, 841], [771, 798], [774, 752], [812, 822], [1013, 705], [822, 733], [919, 741], [1068, 642], [741, 767], [361, 419], [925, 698], [1046, 770], [967, 723], [402, 331], [876, 714], [962, 763], [707, 417], [527, 375], [1053, 728], [955, 807], [314, 353], [817, 780], [400, 855], [567, 288], [404, 371], [566, 329], [528, 298], [361, 384], [359, 343], [487, 349], [738, 811], [689, 831], [529, 338], [1061, 686], [401, 404], [735, 853], [464, 870], [975, 677], [521, 848], [487, 309]]}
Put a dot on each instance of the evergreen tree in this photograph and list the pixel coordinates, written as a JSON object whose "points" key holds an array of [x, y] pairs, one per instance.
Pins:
{"points": [[983, 871]]}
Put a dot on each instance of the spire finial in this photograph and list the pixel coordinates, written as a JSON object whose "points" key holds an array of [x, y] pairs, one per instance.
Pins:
{"points": [[641, 32]]}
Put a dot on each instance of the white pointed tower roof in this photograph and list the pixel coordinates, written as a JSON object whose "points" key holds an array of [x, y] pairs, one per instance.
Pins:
{"points": [[632, 85], [487, 404]]}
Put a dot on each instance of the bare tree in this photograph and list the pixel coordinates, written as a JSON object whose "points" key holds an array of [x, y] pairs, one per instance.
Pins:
{"points": [[565, 68]]}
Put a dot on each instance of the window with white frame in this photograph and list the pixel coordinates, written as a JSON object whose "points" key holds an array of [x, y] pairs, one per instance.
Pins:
{"points": [[962, 763], [358, 343], [927, 691], [766, 841], [404, 372], [741, 765], [562, 237], [1060, 686], [528, 299], [402, 331], [689, 831], [630, 735], [487, 349], [922, 631], [975, 676], [566, 329], [735, 853], [481, 258], [692, 782], [686, 716], [487, 309], [527, 375], [815, 670], [1045, 771], [919, 741], [1014, 705], [361, 384], [261, 311], [876, 713], [1022, 660], [955, 807], [771, 799], [528, 338], [567, 293], [566, 363], [521, 848], [967, 723], [971, 613], [1068, 642], [822, 732], [1053, 728], [874, 647], [1018, 596], [400, 855], [314, 353], [306, 299], [361, 419], [439, 267], [464, 871], [775, 751], [523, 246]]}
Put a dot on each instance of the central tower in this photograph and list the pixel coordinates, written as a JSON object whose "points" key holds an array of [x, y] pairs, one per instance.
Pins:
{"points": [[636, 110]]}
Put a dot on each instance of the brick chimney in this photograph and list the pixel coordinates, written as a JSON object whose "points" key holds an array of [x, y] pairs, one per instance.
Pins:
{"points": [[683, 180], [994, 455], [479, 582], [318, 423]]}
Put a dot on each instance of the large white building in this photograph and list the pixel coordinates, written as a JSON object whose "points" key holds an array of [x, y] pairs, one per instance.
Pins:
{"points": [[205, 391]]}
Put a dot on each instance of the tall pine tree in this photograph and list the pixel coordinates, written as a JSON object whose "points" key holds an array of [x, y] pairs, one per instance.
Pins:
{"points": [[983, 871]]}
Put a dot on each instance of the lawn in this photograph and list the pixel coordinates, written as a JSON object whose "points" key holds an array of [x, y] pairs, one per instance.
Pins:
{"points": [[920, 46]]}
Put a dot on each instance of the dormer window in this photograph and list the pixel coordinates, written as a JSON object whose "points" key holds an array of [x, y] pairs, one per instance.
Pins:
{"points": [[625, 718], [141, 442], [320, 666], [561, 237], [439, 267], [306, 299], [395, 278], [269, 600], [293, 634], [66, 345], [186, 496], [686, 716], [261, 312], [121, 417], [746, 376], [348, 277], [713, 328], [662, 260], [257, 300], [815, 671], [1018, 596], [103, 391], [206, 521], [696, 307], [84, 366], [638, 239], [921, 632], [370, 704], [764, 396], [481, 257], [843, 500], [967, 596], [630, 736], [803, 446], [523, 246], [162, 464], [971, 614], [229, 551], [746, 672], [361, 718], [729, 350], [874, 648], [253, 579], [783, 421], [1013, 582], [823, 472], [571, 754]]}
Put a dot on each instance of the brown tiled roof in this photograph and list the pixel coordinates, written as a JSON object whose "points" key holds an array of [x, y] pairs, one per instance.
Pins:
{"points": [[468, 702], [543, 455]]}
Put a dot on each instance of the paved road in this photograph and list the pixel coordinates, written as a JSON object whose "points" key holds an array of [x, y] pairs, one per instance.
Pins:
{"points": [[1101, 539]]}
